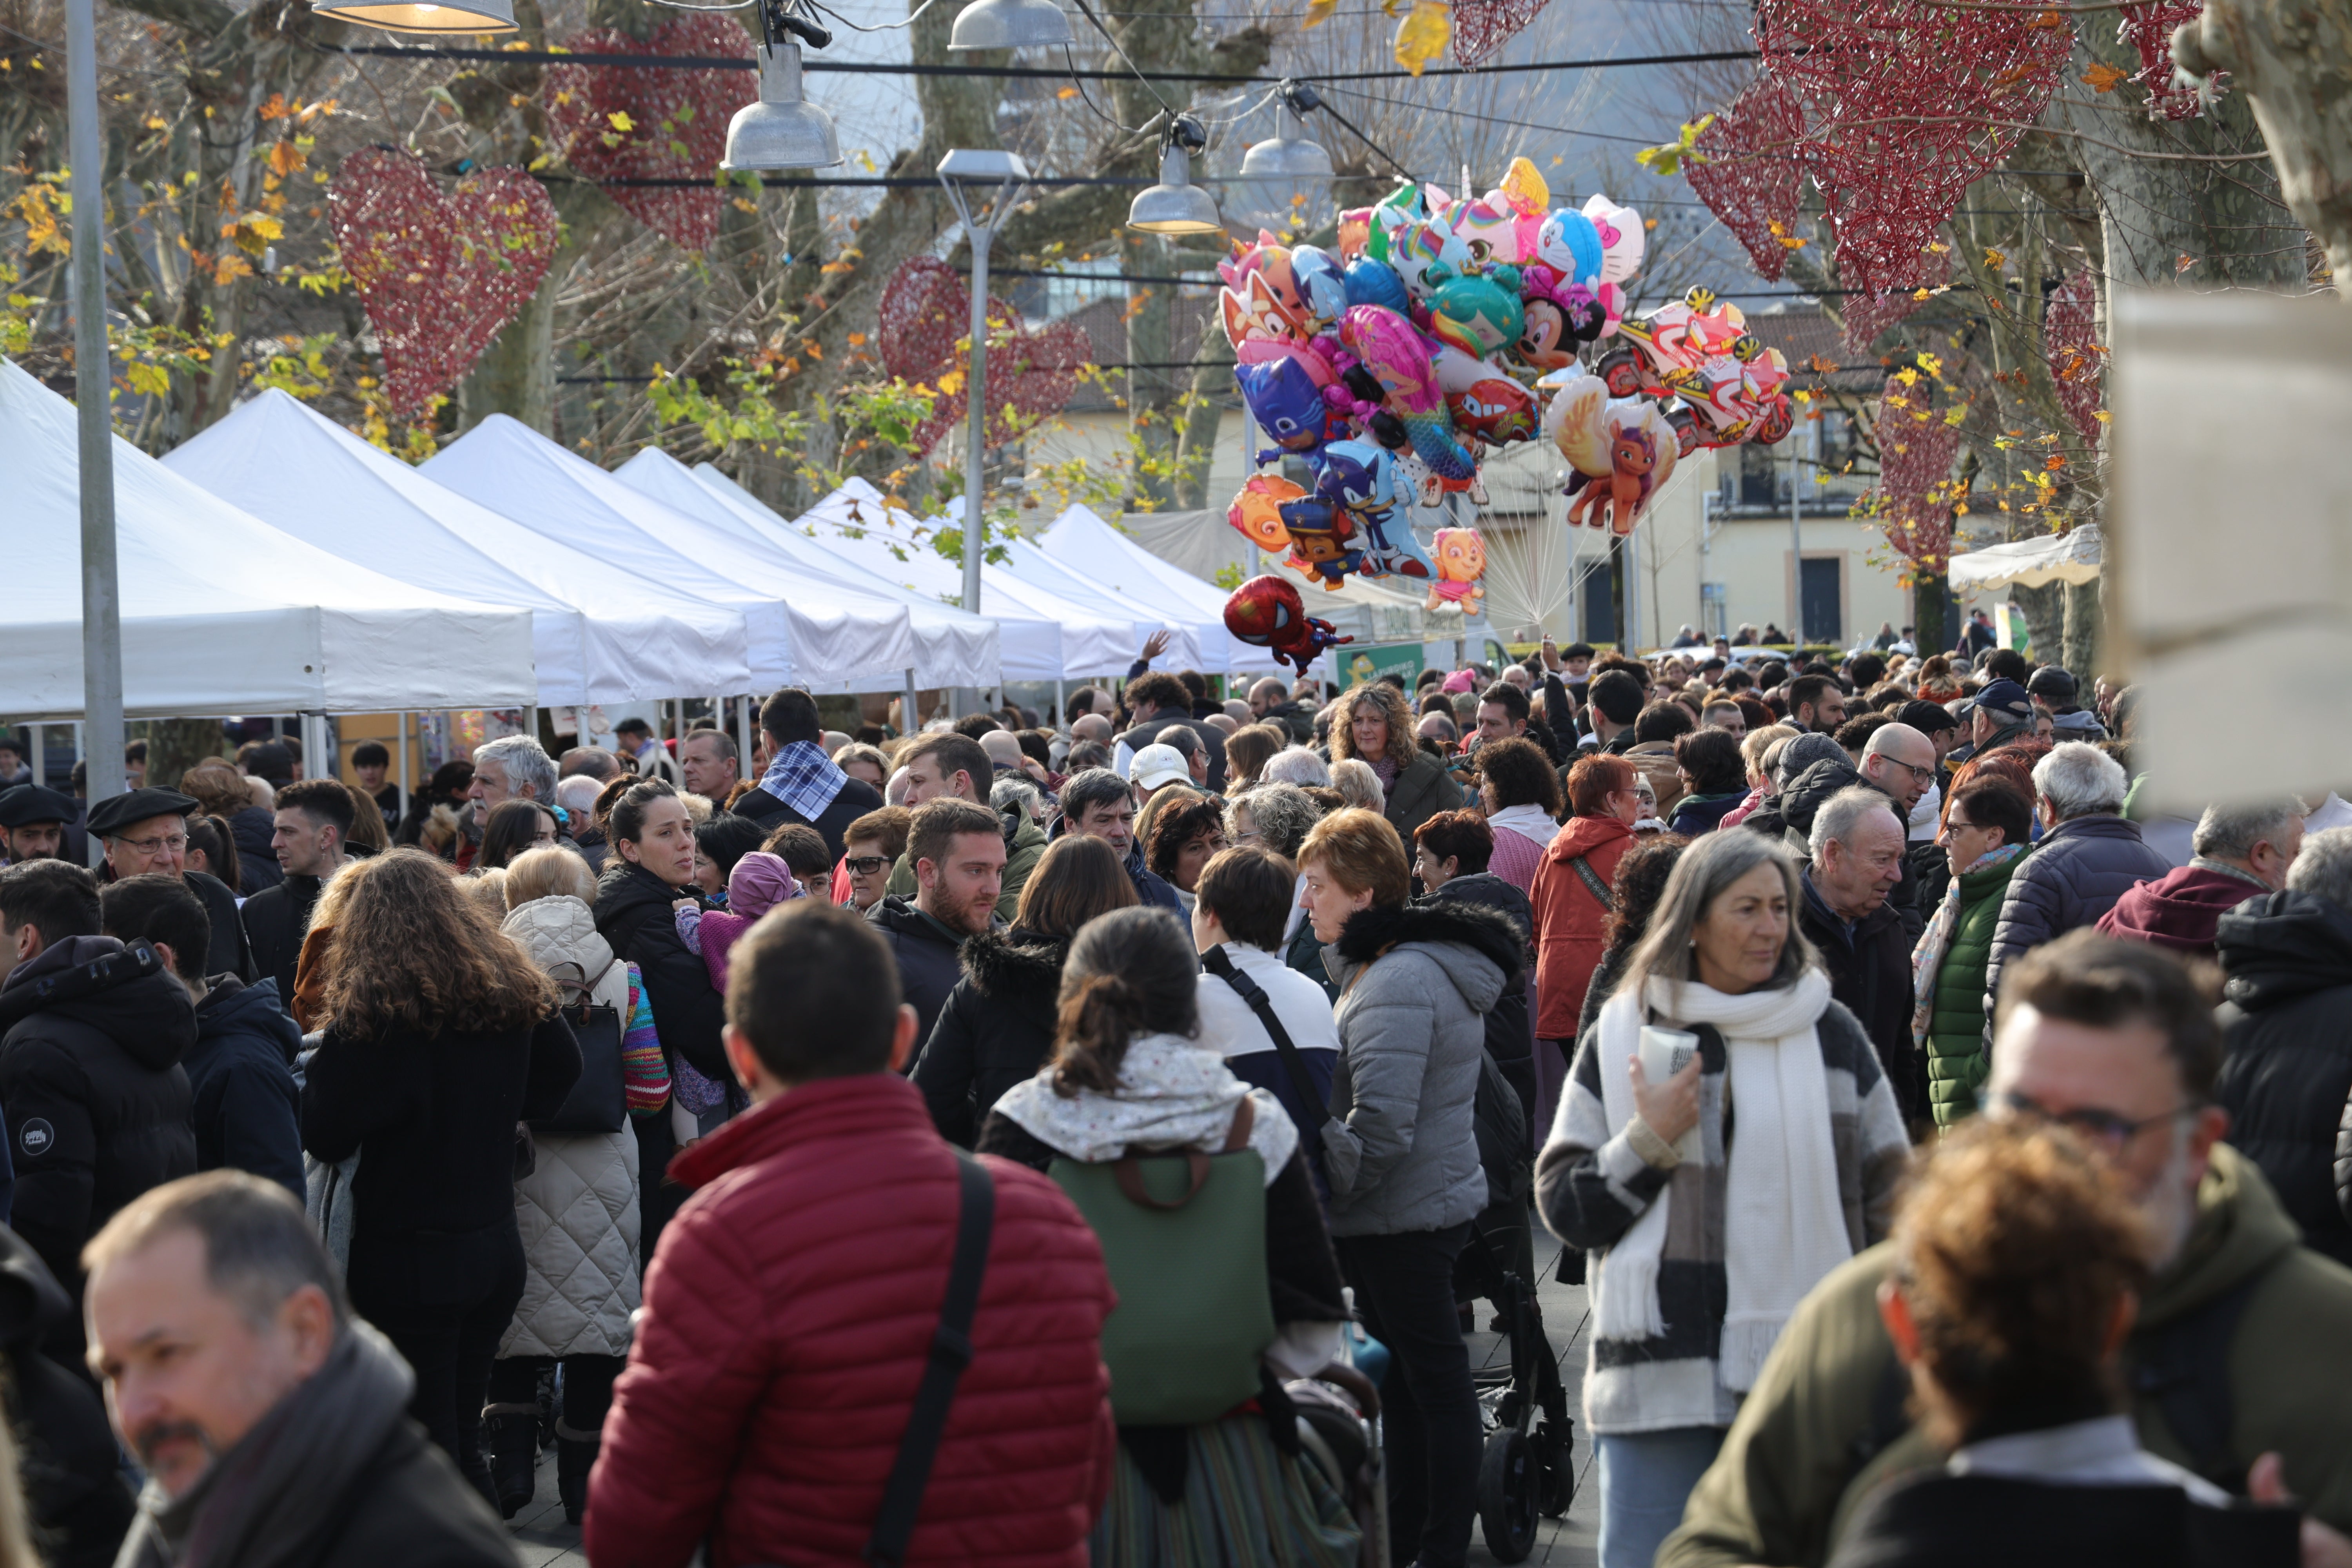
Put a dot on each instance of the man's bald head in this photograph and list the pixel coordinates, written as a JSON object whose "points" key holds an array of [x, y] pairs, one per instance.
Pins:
{"points": [[1090, 727], [1899, 762], [1003, 750], [1269, 692]]}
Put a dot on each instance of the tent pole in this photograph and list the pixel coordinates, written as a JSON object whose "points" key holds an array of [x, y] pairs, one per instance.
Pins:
{"points": [[909, 708], [407, 777], [1061, 704], [743, 729], [101, 601], [40, 758]]}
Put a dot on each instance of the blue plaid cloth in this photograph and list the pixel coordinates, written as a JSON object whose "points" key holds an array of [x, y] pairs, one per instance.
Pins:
{"points": [[803, 777]]}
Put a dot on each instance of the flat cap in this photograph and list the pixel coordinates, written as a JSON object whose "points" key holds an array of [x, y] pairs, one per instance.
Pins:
{"points": [[118, 812], [29, 804]]}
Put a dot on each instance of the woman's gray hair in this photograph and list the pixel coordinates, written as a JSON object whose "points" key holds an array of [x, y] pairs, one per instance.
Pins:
{"points": [[1357, 784], [1705, 870], [2324, 868], [2078, 779], [1282, 813], [1297, 765], [1013, 793]]}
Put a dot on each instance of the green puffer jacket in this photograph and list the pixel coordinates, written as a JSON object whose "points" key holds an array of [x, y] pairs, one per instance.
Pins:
{"points": [[1956, 1063]]}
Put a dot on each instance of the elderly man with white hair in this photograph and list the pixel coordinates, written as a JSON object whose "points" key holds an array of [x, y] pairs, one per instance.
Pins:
{"points": [[1297, 765], [1854, 860], [2087, 858], [2243, 851]]}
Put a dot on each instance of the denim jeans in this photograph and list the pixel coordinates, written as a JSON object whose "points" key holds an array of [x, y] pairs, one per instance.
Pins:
{"points": [[1405, 1289], [1645, 1479]]}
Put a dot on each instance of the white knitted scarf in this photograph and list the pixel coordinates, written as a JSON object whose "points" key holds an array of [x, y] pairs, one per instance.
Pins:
{"points": [[1783, 1224]]}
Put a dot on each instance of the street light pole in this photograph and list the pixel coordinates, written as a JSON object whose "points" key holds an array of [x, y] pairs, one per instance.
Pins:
{"points": [[101, 606], [961, 167]]}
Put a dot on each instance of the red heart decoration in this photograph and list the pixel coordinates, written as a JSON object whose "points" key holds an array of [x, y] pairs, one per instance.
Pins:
{"points": [[927, 312], [678, 120], [1482, 26], [1753, 173], [439, 275]]}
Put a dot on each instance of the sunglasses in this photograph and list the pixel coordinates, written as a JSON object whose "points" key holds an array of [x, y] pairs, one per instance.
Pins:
{"points": [[865, 865]]}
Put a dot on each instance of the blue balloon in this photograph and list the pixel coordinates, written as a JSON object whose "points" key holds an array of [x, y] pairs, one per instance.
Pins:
{"points": [[1374, 282]]}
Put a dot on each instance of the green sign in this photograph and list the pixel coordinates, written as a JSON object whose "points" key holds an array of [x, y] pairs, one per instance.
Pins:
{"points": [[1359, 665]]}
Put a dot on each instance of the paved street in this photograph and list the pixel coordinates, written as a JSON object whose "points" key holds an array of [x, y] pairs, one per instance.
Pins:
{"points": [[543, 1541]]}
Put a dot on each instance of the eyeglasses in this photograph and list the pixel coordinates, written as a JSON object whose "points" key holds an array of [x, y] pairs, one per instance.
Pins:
{"points": [[1925, 775], [170, 844], [2104, 1128], [865, 865]]}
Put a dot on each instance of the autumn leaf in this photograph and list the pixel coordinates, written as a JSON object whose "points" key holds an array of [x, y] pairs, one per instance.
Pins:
{"points": [[1320, 11], [2101, 76], [277, 108], [283, 159], [1422, 35], [619, 120], [1995, 259], [1820, 365], [2182, 263], [857, 340], [152, 380]]}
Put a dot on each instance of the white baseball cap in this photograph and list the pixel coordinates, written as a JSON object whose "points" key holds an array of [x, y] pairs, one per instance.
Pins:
{"points": [[1156, 765]]}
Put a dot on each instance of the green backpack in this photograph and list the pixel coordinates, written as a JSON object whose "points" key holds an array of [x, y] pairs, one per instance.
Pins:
{"points": [[1184, 1236]]}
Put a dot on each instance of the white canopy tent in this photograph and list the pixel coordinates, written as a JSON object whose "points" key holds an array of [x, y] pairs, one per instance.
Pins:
{"points": [[949, 644], [600, 635], [221, 613], [1034, 568], [836, 636], [1044, 637], [1082, 542], [2072, 557]]}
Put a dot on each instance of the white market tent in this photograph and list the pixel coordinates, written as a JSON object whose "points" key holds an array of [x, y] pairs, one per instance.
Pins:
{"points": [[221, 613], [1034, 568], [951, 648], [1044, 637], [600, 635], [1082, 542], [2072, 557], [833, 636]]}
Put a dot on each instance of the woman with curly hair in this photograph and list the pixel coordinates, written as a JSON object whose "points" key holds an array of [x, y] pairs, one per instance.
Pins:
{"points": [[441, 1034], [1183, 839], [1373, 724]]}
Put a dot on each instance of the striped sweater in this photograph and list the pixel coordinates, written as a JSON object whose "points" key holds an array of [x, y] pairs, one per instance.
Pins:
{"points": [[1592, 1187], [644, 1076]]}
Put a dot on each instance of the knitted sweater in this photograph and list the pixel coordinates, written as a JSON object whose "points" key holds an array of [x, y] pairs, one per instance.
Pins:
{"points": [[1590, 1187]]}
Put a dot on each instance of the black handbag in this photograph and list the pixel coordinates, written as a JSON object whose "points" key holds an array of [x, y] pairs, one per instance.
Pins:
{"points": [[597, 1104]]}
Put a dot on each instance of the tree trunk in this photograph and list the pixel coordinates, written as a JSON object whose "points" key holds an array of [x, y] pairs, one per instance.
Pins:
{"points": [[1931, 601], [176, 745], [2086, 631], [2293, 59], [2045, 619]]}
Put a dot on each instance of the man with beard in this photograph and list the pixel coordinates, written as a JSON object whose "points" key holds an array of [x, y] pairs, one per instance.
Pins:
{"points": [[2242, 1343], [957, 848], [273, 1426], [33, 820]]}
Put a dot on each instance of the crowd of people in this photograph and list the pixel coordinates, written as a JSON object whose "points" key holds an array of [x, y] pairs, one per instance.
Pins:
{"points": [[786, 1141]]}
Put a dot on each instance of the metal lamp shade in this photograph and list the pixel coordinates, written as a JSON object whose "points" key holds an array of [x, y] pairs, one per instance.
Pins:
{"points": [[1010, 24], [1174, 205], [413, 16], [1288, 156], [782, 130]]}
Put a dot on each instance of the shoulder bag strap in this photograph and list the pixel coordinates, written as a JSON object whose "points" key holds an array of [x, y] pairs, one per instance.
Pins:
{"points": [[1217, 961], [1599, 889], [902, 1495]]}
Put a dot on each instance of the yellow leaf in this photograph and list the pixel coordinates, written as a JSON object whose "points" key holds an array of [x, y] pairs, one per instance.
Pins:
{"points": [[857, 340], [277, 108], [950, 384], [150, 379], [1067, 92], [1320, 11], [2102, 78], [620, 121], [1995, 259], [743, 207], [1422, 35], [283, 159]]}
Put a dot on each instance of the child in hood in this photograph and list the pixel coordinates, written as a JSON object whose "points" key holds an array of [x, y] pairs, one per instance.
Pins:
{"points": [[759, 883]]}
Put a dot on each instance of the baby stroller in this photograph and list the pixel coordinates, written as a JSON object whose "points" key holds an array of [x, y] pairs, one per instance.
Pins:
{"points": [[1339, 1433], [1528, 1466]]}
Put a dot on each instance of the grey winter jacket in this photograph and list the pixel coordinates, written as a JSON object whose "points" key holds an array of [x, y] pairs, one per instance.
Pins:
{"points": [[2075, 874], [1415, 985]]}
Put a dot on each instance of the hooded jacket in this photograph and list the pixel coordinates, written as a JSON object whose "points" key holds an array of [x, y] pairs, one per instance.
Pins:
{"points": [[1510, 1022], [1417, 983], [2181, 909], [928, 955], [2287, 1071], [579, 1209], [1571, 925], [97, 1103], [2077, 872], [67, 1454], [1802, 1451], [995, 1029], [249, 1113], [788, 1319]]}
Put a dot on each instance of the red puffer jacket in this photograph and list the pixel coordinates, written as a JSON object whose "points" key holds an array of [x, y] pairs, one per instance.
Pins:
{"points": [[788, 1316]]}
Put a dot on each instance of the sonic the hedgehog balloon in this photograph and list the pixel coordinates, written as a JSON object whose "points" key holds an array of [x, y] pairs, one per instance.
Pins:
{"points": [[1267, 613]]}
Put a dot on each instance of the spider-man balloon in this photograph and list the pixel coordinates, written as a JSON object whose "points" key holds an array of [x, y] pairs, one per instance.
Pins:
{"points": [[1266, 612]]}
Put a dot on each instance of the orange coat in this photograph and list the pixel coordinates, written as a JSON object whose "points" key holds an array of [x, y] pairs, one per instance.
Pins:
{"points": [[1571, 926]]}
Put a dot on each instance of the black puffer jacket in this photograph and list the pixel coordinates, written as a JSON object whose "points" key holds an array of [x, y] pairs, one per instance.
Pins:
{"points": [[275, 920], [928, 956], [249, 1113], [2288, 1069], [91, 1033], [73, 1483], [995, 1029], [1510, 1024]]}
